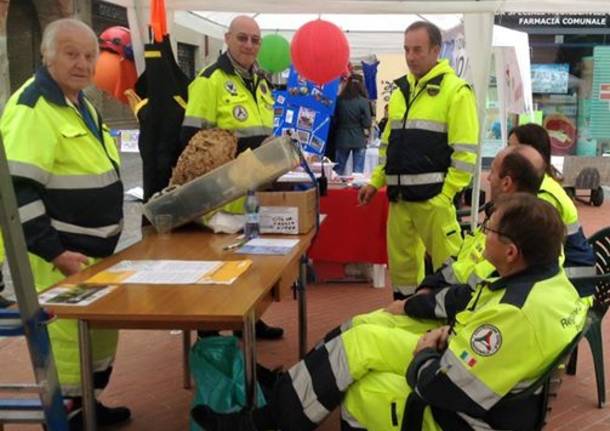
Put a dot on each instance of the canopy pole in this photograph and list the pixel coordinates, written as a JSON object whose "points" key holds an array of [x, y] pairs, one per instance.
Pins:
{"points": [[478, 32]]}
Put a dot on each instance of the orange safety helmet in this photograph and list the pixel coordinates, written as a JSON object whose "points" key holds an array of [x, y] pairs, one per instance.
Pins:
{"points": [[118, 40]]}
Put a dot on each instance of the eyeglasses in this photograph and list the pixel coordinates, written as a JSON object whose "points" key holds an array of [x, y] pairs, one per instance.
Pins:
{"points": [[486, 229], [243, 38]]}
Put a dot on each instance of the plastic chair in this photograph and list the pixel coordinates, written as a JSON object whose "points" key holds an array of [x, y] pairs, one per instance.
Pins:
{"points": [[535, 398], [532, 401], [601, 246]]}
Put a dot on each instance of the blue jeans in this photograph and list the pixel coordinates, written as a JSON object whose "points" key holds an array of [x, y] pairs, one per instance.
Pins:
{"points": [[341, 156]]}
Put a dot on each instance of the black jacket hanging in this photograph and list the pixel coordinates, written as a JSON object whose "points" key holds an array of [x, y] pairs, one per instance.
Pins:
{"points": [[163, 88]]}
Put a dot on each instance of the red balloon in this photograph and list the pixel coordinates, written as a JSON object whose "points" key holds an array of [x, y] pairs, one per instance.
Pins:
{"points": [[320, 51]]}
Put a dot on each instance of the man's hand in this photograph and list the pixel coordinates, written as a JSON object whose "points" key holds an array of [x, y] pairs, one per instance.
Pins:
{"points": [[365, 194], [397, 307], [435, 339], [70, 262]]}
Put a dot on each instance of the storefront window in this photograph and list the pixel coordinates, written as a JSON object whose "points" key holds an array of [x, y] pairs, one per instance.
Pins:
{"points": [[566, 91]]}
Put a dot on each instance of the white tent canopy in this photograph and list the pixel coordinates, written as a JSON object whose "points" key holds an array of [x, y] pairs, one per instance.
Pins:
{"points": [[380, 6], [376, 34], [367, 34], [478, 24]]}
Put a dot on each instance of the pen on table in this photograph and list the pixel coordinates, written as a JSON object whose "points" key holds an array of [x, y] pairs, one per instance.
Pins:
{"points": [[234, 245]]}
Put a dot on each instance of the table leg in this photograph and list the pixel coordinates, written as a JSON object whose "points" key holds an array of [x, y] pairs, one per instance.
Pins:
{"points": [[86, 373], [301, 286], [249, 334], [186, 368]]}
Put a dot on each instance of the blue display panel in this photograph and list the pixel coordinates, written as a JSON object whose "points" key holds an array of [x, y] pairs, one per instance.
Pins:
{"points": [[304, 111]]}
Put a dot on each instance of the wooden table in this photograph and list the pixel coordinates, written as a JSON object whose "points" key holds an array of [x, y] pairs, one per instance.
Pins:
{"points": [[190, 307]]}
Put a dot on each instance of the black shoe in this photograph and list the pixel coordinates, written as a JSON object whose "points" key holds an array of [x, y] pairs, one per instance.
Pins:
{"points": [[104, 416], [268, 377], [5, 303], [264, 331], [209, 420]]}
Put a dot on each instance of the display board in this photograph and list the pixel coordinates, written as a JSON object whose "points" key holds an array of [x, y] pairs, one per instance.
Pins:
{"points": [[304, 111]]}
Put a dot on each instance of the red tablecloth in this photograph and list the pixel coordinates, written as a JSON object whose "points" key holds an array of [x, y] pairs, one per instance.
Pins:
{"points": [[351, 233]]}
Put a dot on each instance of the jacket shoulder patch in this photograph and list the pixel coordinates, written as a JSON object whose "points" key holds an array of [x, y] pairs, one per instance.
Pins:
{"points": [[486, 340], [29, 96]]}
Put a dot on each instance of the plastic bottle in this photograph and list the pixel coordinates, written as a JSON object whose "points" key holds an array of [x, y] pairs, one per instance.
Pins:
{"points": [[251, 229]]}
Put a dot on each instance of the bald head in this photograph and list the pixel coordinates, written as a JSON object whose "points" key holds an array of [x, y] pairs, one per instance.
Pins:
{"points": [[244, 23], [532, 155], [517, 168], [243, 40]]}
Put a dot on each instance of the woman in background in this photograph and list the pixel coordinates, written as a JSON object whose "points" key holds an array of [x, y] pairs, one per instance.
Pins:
{"points": [[353, 120]]}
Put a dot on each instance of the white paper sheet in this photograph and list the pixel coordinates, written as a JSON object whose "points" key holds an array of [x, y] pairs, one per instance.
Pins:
{"points": [[165, 277], [165, 271], [200, 266], [270, 246]]}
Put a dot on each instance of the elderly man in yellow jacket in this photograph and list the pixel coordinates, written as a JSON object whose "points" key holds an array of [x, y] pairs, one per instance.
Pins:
{"points": [[65, 170]]}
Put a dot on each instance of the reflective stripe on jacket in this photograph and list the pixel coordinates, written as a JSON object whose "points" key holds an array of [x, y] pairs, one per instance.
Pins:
{"points": [[578, 252], [525, 320], [220, 97], [433, 133], [65, 169]]}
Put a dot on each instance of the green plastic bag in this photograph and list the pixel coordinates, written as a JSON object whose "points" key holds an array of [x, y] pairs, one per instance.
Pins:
{"points": [[217, 366]]}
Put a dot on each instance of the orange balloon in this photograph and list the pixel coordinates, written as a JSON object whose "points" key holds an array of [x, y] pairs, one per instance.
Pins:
{"points": [[114, 75]]}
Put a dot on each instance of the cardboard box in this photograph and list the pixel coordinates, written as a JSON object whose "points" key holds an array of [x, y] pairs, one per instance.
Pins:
{"points": [[287, 212]]}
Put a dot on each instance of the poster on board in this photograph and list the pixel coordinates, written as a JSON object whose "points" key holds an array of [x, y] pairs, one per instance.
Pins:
{"points": [[304, 111]]}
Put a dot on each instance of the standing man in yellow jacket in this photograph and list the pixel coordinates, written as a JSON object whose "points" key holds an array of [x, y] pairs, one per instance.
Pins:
{"points": [[233, 94], [65, 169], [428, 154]]}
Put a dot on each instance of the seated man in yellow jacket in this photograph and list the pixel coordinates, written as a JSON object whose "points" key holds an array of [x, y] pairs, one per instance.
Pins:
{"points": [[458, 375], [448, 290]]}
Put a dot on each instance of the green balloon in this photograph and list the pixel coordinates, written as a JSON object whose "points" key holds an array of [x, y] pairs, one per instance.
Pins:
{"points": [[274, 55]]}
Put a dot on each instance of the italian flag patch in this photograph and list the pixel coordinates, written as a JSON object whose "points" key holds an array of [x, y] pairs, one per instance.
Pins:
{"points": [[466, 357]]}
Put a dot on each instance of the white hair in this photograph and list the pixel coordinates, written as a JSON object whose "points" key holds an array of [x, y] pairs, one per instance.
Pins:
{"points": [[49, 37]]}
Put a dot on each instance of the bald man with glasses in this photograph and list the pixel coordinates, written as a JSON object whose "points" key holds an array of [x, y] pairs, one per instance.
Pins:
{"points": [[233, 94]]}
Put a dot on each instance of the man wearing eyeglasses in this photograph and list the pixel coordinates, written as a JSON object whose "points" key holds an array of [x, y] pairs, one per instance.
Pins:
{"points": [[442, 294], [457, 377], [232, 94]]}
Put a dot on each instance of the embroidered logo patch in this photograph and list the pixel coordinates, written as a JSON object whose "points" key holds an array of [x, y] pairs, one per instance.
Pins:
{"points": [[230, 87], [467, 357], [486, 340], [240, 113]]}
